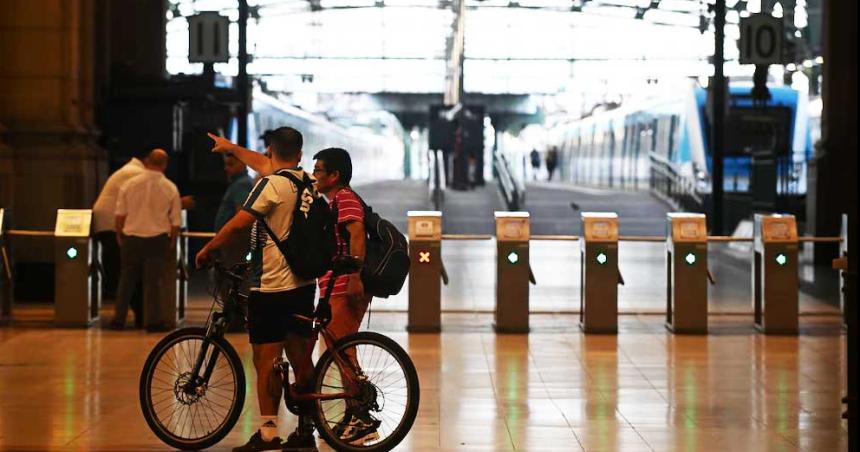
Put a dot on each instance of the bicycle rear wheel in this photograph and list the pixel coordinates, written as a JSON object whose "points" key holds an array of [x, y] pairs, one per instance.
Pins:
{"points": [[191, 416], [388, 391]]}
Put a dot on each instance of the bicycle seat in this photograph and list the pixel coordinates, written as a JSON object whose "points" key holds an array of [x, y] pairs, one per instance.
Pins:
{"points": [[342, 265]]}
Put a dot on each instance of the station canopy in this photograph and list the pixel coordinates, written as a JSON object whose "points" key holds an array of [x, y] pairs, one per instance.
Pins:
{"points": [[511, 46]]}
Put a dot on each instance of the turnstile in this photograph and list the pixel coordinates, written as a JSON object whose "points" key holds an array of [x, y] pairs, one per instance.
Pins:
{"points": [[6, 288], [598, 311], [513, 272], [426, 271], [775, 279], [687, 273], [77, 289], [174, 284]]}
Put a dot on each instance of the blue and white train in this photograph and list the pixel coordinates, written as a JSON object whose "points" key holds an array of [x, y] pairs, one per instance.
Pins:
{"points": [[375, 142], [664, 146]]}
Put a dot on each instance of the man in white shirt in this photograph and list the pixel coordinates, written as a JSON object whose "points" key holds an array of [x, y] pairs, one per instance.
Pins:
{"points": [[148, 214], [104, 219]]}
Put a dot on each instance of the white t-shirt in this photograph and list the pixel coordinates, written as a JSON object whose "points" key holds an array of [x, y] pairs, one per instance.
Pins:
{"points": [[150, 203], [273, 200], [104, 210]]}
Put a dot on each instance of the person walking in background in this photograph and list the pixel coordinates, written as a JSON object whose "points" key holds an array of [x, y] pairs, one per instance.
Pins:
{"points": [[104, 219], [551, 162], [148, 216], [534, 155]]}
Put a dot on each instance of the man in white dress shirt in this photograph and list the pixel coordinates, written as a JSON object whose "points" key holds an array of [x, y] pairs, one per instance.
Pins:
{"points": [[104, 220], [148, 214]]}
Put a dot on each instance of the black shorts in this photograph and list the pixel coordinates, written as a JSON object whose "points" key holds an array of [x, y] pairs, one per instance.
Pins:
{"points": [[270, 314]]}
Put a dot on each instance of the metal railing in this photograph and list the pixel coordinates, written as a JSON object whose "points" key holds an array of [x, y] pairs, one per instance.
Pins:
{"points": [[669, 185], [512, 191], [436, 181]]}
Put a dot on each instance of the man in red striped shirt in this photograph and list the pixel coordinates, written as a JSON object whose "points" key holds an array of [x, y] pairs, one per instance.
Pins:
{"points": [[349, 302]]}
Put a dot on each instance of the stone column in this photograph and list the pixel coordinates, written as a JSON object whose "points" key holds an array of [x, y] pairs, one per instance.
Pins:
{"points": [[48, 156]]}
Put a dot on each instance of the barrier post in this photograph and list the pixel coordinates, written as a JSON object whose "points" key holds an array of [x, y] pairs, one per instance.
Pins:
{"points": [[513, 272], [6, 287], [174, 288], [77, 297], [686, 273], [775, 278], [600, 273], [425, 272]]}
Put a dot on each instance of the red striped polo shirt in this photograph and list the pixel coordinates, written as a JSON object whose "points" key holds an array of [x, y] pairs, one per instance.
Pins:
{"points": [[349, 208]]}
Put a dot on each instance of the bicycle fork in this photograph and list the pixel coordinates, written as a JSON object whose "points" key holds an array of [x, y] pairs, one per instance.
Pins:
{"points": [[196, 384]]}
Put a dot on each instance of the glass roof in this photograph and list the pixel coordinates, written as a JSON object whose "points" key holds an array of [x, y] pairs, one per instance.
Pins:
{"points": [[511, 46]]}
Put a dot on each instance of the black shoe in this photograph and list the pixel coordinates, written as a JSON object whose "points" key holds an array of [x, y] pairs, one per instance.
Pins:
{"points": [[362, 428], [297, 442], [256, 444]]}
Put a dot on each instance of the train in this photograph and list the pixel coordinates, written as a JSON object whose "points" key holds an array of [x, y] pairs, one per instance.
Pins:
{"points": [[375, 140], [664, 145]]}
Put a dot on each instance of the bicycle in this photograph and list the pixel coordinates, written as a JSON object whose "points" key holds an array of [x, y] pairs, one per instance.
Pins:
{"points": [[185, 375]]}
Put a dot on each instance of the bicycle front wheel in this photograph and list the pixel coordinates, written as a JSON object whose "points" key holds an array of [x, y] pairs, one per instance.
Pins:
{"points": [[382, 377], [182, 409]]}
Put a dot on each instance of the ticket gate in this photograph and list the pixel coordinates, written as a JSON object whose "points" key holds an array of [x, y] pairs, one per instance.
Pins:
{"points": [[174, 284], [598, 311], [6, 289], [775, 279], [687, 273], [425, 272], [77, 288], [513, 272]]}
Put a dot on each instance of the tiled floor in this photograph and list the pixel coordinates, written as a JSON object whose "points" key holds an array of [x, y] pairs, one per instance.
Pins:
{"points": [[555, 389]]}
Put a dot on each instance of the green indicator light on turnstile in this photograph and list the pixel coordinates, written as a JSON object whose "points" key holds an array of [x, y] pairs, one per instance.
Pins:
{"points": [[248, 257], [72, 252], [781, 259], [601, 258], [513, 257], [690, 258]]}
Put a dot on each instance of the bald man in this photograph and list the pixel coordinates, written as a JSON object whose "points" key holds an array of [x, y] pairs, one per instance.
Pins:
{"points": [[148, 214]]}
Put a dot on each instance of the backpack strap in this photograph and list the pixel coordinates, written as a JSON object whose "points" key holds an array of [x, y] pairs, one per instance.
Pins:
{"points": [[300, 184], [299, 189]]}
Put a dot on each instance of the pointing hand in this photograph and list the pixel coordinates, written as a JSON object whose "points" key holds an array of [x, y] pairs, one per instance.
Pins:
{"points": [[221, 144]]}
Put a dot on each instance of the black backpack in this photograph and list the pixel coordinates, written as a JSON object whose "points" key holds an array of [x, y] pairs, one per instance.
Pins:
{"points": [[386, 260], [311, 244]]}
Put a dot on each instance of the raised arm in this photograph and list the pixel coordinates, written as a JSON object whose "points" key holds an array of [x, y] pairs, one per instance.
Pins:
{"points": [[254, 160]]}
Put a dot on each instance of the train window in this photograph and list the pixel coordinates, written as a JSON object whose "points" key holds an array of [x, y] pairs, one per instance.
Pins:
{"points": [[757, 129]]}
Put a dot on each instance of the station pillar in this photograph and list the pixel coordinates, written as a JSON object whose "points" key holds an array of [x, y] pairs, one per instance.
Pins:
{"points": [[600, 274], [686, 273], [425, 271], [775, 280], [513, 272]]}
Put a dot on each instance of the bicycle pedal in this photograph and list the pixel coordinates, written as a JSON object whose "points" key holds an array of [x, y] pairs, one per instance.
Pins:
{"points": [[281, 366]]}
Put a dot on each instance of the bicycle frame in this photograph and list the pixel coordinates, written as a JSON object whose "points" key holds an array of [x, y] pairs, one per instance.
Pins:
{"points": [[352, 375], [215, 327]]}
